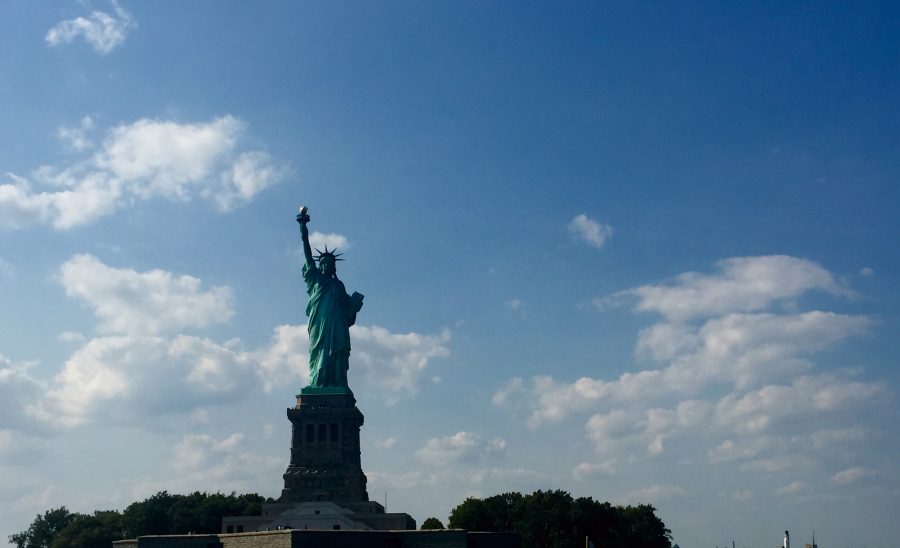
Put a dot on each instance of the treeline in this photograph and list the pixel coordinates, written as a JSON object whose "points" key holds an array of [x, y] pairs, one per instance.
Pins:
{"points": [[553, 519], [546, 519], [161, 514]]}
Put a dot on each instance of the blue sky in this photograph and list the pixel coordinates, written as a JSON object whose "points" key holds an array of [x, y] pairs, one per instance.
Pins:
{"points": [[640, 252]]}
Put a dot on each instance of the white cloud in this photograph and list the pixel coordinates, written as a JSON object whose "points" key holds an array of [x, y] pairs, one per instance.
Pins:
{"points": [[392, 363], [866, 271], [148, 303], [250, 174], [104, 32], [513, 304], [502, 479], [744, 349], [286, 358], [460, 447], [124, 377], [794, 488], [648, 429], [743, 284], [804, 398], [120, 378], [70, 337], [140, 161], [17, 448], [76, 137], [589, 231], [744, 449], [725, 378], [851, 475], [387, 443], [742, 495], [776, 464], [824, 438], [585, 470], [318, 240], [18, 389], [411, 479], [200, 460], [194, 449], [7, 272], [656, 492], [395, 362], [741, 350]]}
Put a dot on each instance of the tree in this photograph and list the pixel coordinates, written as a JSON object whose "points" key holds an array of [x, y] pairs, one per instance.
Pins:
{"points": [[431, 523], [553, 519], [43, 529], [97, 531], [161, 514]]}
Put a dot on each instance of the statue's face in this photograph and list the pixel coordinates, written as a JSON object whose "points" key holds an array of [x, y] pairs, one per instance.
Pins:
{"points": [[326, 266]]}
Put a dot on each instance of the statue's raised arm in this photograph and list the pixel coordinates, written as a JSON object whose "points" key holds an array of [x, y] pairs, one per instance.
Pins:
{"points": [[302, 219], [331, 312]]}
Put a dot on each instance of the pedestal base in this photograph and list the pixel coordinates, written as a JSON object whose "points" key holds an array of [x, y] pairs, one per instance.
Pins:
{"points": [[325, 454]]}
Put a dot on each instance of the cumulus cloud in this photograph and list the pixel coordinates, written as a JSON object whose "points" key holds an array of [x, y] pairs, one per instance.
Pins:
{"points": [[145, 364], [201, 460], [648, 429], [286, 357], [589, 231], [76, 137], [143, 303], [739, 350], [104, 32], [127, 376], [140, 161], [744, 349], [7, 272], [805, 397], [743, 284], [725, 375], [586, 470], [793, 488], [514, 304], [396, 363], [475, 478], [387, 443], [821, 439], [742, 495], [120, 378], [779, 463], [17, 448], [656, 492], [460, 447], [319, 240], [743, 449], [70, 337], [18, 389], [851, 475]]}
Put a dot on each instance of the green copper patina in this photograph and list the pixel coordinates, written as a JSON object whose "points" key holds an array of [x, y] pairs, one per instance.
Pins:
{"points": [[331, 312]]}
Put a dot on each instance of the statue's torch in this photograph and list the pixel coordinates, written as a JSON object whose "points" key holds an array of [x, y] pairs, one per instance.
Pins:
{"points": [[303, 216]]}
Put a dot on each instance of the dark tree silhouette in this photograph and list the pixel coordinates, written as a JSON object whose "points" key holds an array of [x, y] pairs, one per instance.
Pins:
{"points": [[431, 523], [161, 514], [553, 519]]}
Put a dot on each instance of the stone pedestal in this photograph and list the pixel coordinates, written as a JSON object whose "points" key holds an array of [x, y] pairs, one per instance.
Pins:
{"points": [[325, 455]]}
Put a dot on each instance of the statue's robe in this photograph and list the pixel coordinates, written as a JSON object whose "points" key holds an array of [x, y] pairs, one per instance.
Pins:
{"points": [[330, 314]]}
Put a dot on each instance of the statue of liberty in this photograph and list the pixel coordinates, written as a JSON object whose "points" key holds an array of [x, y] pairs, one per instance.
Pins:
{"points": [[331, 312]]}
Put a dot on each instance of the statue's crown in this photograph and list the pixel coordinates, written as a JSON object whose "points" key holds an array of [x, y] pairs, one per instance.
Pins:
{"points": [[334, 256]]}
